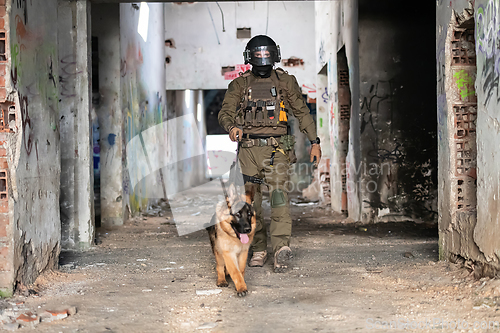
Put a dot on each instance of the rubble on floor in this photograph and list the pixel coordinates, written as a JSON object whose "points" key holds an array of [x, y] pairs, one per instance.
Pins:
{"points": [[14, 315]]}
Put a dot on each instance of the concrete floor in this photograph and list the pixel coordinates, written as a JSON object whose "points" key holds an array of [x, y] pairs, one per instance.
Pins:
{"points": [[143, 277]]}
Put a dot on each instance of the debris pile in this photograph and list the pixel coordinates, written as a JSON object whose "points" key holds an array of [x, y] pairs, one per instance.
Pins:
{"points": [[13, 315]]}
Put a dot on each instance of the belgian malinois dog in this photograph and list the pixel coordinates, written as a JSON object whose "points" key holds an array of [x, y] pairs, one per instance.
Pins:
{"points": [[231, 233]]}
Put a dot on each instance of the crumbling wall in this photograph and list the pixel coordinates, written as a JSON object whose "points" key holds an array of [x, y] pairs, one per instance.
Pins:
{"points": [[143, 103], [468, 103], [32, 143]]}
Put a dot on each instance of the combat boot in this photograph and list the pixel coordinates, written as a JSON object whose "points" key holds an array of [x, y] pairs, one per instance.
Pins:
{"points": [[258, 259], [282, 259]]}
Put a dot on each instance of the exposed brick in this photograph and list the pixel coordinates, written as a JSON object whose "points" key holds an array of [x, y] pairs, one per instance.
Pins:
{"points": [[3, 152], [4, 206], [2, 81], [2, 10], [3, 231], [2, 69], [2, 23], [3, 94], [4, 165], [2, 2], [4, 251], [5, 265]]}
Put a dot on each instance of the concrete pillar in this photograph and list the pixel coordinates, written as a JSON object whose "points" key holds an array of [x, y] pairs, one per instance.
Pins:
{"points": [[107, 103], [336, 167], [77, 195], [354, 154]]}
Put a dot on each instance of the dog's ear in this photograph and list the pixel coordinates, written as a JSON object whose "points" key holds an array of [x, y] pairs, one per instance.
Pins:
{"points": [[231, 192]]}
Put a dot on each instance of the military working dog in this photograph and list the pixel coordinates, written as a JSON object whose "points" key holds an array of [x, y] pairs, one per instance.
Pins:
{"points": [[231, 233]]}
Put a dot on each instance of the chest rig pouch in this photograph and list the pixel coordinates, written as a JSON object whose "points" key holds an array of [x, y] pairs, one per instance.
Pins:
{"points": [[262, 104]]}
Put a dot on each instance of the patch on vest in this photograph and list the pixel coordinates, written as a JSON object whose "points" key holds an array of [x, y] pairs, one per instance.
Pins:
{"points": [[262, 91]]}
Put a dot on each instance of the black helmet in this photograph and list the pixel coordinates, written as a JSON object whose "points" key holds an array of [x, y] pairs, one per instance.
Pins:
{"points": [[261, 51]]}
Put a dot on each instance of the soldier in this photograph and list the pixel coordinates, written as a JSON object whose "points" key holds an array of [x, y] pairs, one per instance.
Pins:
{"points": [[254, 112]]}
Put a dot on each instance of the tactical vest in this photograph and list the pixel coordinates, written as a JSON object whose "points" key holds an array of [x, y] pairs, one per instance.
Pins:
{"points": [[262, 108]]}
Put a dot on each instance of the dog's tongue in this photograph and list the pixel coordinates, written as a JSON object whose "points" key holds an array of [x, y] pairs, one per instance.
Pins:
{"points": [[244, 238]]}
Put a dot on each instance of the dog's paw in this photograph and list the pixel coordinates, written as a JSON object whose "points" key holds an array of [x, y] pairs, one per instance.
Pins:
{"points": [[222, 284], [242, 293]]}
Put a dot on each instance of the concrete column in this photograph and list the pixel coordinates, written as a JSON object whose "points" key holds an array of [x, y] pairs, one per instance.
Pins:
{"points": [[354, 154], [77, 195], [106, 27], [336, 167], [84, 183]]}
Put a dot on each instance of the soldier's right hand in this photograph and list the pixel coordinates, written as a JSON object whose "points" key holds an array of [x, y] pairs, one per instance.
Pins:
{"points": [[235, 134]]}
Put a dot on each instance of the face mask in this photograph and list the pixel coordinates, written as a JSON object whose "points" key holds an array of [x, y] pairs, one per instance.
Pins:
{"points": [[262, 71]]}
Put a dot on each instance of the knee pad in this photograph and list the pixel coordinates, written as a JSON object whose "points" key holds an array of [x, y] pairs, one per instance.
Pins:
{"points": [[278, 198]]}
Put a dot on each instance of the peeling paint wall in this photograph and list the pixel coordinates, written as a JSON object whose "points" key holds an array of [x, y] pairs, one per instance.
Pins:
{"points": [[143, 102], [202, 45], [34, 148]]}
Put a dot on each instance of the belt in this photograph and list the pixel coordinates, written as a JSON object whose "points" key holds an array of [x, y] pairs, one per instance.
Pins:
{"points": [[247, 141], [251, 136]]}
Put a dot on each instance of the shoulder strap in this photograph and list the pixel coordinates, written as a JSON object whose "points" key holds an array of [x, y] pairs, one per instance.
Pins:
{"points": [[246, 74], [280, 71]]}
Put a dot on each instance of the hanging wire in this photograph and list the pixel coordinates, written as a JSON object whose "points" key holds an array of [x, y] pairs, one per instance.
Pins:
{"points": [[215, 29], [222, 13]]}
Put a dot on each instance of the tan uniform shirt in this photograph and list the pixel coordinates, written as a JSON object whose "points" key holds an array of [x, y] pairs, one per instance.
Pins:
{"points": [[292, 97]]}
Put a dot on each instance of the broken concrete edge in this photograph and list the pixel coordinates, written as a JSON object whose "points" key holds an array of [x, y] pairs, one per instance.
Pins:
{"points": [[478, 268]]}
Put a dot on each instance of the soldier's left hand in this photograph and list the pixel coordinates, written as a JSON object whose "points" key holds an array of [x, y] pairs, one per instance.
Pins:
{"points": [[316, 153]]}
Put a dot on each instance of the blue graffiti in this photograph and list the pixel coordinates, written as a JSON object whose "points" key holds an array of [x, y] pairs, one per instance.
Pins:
{"points": [[112, 139]]}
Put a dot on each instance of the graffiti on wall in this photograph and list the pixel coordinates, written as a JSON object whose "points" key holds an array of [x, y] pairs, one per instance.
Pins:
{"points": [[321, 53], [465, 84], [324, 95], [67, 76], [33, 75], [380, 96], [488, 44]]}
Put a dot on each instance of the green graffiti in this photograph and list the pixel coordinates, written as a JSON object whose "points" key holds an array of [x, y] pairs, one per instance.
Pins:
{"points": [[320, 122], [15, 55], [465, 84]]}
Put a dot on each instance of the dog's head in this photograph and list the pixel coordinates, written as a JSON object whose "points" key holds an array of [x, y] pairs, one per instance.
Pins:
{"points": [[239, 214], [241, 220]]}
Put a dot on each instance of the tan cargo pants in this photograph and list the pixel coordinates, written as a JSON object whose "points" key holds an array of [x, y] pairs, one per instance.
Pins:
{"points": [[255, 161]]}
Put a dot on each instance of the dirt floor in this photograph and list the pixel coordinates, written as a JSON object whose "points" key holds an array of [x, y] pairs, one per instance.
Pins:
{"points": [[345, 277]]}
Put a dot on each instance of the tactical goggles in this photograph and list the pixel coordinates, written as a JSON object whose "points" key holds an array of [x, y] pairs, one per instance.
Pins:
{"points": [[262, 55]]}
